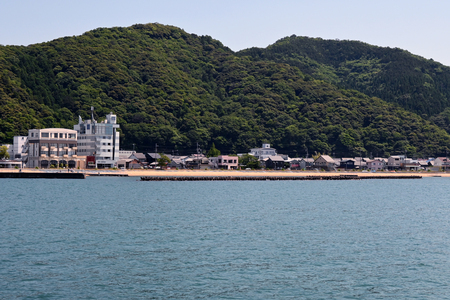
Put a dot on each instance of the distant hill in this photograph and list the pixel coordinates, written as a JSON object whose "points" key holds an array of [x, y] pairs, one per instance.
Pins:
{"points": [[394, 75], [178, 89]]}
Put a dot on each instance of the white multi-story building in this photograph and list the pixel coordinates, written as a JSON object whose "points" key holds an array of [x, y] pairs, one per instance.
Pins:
{"points": [[52, 147], [100, 140], [264, 152], [19, 147]]}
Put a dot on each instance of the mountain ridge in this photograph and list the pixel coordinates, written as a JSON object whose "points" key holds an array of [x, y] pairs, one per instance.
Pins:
{"points": [[176, 89]]}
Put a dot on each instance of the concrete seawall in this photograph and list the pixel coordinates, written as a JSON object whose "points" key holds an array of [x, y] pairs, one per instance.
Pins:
{"points": [[274, 178], [44, 175]]}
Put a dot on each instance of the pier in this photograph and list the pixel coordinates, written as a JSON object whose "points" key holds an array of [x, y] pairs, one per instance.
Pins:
{"points": [[42, 175]]}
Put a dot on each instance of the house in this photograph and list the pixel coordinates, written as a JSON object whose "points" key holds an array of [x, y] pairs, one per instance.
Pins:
{"points": [[135, 164], [411, 165], [442, 162], [361, 163], [124, 163], [306, 163], [376, 164], [347, 163], [425, 163], [152, 158], [141, 157], [124, 154], [224, 162], [294, 163], [275, 162], [197, 161], [395, 162], [176, 163], [264, 152], [324, 162]]}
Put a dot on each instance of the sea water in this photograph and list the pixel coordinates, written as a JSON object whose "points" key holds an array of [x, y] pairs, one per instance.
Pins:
{"points": [[120, 238]]}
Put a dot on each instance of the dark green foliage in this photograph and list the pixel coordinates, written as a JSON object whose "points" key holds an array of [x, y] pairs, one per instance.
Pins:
{"points": [[213, 151], [249, 161], [163, 160], [394, 75], [176, 90]]}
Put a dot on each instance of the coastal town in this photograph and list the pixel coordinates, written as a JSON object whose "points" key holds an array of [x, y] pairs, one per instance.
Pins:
{"points": [[96, 145]]}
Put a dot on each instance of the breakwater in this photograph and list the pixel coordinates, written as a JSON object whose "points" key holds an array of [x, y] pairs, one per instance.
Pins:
{"points": [[108, 174], [274, 178], [43, 175]]}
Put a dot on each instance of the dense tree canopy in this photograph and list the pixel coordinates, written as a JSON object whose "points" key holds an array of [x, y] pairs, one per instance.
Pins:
{"points": [[176, 89]]}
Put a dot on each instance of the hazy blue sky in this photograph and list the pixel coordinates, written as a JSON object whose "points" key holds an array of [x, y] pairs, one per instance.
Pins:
{"points": [[417, 26]]}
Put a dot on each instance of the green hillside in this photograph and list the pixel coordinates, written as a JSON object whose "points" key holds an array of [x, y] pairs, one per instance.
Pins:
{"points": [[394, 75], [178, 89]]}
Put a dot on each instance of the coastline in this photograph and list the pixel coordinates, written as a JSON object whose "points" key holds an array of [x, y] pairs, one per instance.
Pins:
{"points": [[218, 173]]}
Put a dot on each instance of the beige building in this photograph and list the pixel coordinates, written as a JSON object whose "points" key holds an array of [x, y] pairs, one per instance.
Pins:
{"points": [[53, 147]]}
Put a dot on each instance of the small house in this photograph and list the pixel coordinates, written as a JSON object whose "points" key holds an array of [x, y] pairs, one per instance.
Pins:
{"points": [[324, 162]]}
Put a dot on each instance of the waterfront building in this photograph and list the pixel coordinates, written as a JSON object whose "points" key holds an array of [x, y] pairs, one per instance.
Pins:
{"points": [[19, 147], [395, 162], [264, 152], [52, 147], [225, 162], [99, 140]]}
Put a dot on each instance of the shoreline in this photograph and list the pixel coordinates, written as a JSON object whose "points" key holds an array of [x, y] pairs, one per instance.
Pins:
{"points": [[240, 173]]}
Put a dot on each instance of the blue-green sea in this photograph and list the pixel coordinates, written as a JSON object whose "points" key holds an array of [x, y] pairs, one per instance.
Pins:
{"points": [[120, 238]]}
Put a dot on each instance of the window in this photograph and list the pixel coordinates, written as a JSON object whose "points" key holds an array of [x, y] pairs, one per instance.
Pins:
{"points": [[72, 136], [61, 135], [44, 134]]}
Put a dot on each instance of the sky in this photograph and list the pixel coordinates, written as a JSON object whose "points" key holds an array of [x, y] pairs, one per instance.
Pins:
{"points": [[419, 27]]}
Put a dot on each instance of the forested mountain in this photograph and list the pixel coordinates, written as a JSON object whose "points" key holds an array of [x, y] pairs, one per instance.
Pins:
{"points": [[176, 89], [394, 75]]}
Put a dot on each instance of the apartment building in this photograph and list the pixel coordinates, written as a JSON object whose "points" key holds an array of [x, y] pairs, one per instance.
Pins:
{"points": [[99, 141]]}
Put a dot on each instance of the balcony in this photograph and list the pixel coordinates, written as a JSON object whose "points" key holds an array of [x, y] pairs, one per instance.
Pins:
{"points": [[43, 155]]}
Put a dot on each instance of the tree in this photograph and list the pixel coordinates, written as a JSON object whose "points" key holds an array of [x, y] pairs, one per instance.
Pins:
{"points": [[213, 152], [249, 161], [4, 152], [163, 160]]}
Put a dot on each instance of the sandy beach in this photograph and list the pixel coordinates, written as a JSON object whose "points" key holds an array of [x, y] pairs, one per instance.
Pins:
{"points": [[203, 173], [273, 173]]}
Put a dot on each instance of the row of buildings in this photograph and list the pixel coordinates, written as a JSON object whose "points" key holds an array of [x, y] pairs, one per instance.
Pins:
{"points": [[92, 144], [268, 158]]}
